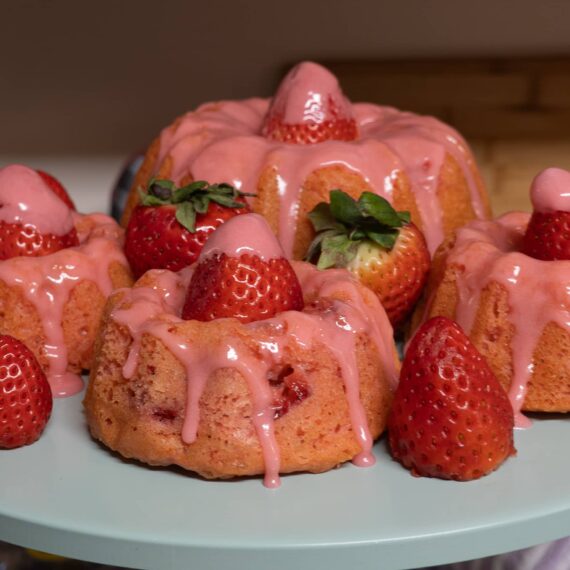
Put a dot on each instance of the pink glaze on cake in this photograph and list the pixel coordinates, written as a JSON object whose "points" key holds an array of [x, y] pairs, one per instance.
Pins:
{"points": [[222, 142], [26, 199], [550, 191], [302, 93], [254, 238], [539, 291], [47, 282], [145, 311]]}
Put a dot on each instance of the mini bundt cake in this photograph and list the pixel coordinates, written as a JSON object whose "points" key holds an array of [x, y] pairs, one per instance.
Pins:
{"points": [[514, 305], [305, 388], [292, 150], [57, 268]]}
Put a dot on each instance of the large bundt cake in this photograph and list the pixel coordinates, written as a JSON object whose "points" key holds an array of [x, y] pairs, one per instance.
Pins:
{"points": [[514, 306], [304, 389], [57, 268], [309, 139]]}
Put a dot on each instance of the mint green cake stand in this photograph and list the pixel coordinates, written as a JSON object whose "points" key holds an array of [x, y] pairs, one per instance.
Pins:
{"points": [[68, 495]]}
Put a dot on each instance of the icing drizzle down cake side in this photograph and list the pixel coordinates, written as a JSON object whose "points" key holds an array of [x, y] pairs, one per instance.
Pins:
{"points": [[515, 308], [417, 163], [52, 302], [303, 390]]}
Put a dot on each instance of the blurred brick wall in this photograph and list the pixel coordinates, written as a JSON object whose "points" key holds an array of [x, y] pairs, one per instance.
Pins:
{"points": [[514, 112]]}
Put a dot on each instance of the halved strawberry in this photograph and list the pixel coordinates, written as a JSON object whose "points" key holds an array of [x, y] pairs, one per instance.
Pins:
{"points": [[450, 417], [170, 226], [248, 286], [25, 395], [309, 107], [57, 188], [378, 245]]}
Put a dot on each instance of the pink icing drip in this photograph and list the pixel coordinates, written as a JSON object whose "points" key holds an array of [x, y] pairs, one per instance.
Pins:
{"points": [[550, 191], [144, 311], [539, 291], [47, 282], [26, 199], [421, 144], [245, 234], [221, 142]]}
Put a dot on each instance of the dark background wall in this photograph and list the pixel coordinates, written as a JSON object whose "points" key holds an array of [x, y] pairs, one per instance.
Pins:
{"points": [[103, 76]]}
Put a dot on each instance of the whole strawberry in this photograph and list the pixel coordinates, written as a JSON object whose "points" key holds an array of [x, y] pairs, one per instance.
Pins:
{"points": [[170, 226], [378, 245], [242, 273], [309, 107], [450, 417], [25, 395]]}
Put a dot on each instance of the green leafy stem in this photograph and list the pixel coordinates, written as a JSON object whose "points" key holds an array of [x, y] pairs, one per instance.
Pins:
{"points": [[192, 199], [344, 223]]}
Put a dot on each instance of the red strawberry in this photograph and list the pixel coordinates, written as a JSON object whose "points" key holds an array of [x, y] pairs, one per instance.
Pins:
{"points": [[547, 236], [309, 107], [171, 225], [246, 286], [450, 417], [17, 240], [57, 188], [378, 245], [25, 395]]}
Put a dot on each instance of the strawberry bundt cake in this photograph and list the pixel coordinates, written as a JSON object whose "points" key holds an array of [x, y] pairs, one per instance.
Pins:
{"points": [[507, 283], [243, 363], [292, 150], [57, 268]]}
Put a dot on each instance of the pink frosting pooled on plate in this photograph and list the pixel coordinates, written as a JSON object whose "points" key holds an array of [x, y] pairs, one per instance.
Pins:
{"points": [[27, 200], [550, 191]]}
